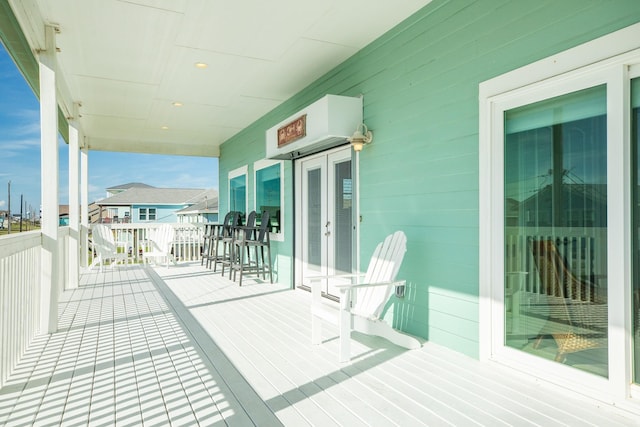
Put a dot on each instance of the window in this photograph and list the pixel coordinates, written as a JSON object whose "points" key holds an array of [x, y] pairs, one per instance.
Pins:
{"points": [[269, 191], [147, 214], [238, 190]]}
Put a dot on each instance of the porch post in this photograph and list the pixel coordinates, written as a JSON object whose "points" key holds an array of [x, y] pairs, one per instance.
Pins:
{"points": [[49, 186], [74, 202], [84, 206]]}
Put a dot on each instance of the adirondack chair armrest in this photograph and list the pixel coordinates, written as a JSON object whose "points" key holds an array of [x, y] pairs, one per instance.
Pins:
{"points": [[347, 286], [335, 276]]}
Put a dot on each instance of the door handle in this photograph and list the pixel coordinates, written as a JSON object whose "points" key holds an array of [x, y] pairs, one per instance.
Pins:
{"points": [[327, 233]]}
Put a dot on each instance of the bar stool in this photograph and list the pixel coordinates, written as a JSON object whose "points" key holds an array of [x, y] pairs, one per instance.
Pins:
{"points": [[225, 237], [257, 238], [221, 231], [232, 255], [207, 235]]}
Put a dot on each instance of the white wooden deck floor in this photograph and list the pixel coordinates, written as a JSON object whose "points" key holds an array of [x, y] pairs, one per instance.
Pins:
{"points": [[183, 346]]}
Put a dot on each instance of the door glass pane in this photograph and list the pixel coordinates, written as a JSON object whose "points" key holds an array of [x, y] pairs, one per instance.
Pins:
{"points": [[343, 202], [314, 224], [635, 303], [238, 194], [556, 229]]}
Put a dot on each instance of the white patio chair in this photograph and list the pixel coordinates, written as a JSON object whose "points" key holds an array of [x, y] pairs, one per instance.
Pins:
{"points": [[107, 248], [160, 244], [369, 296]]}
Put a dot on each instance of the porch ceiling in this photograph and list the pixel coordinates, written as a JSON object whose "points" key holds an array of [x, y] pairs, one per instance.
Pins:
{"points": [[127, 62]]}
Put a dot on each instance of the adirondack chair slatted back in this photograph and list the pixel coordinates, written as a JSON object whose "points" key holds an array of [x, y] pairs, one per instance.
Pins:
{"points": [[103, 241], [383, 267], [162, 238]]}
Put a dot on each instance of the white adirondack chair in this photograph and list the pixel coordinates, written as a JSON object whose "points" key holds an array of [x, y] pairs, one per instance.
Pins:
{"points": [[361, 303], [160, 244], [106, 247]]}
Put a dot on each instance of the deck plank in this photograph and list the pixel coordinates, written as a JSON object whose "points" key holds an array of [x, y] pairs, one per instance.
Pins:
{"points": [[185, 346]]}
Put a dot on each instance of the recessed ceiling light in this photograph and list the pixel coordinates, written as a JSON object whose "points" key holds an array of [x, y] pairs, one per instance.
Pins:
{"points": [[201, 65], [164, 127], [177, 104]]}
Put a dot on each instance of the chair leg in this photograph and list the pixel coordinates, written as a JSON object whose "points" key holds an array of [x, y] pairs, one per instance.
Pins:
{"points": [[232, 259], [270, 266], [213, 255], [241, 266], [258, 263]]}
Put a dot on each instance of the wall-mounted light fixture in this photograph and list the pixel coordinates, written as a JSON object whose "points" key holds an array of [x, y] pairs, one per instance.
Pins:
{"points": [[360, 137]]}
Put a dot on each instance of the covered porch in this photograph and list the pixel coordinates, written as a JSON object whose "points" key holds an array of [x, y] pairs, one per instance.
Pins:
{"points": [[185, 346]]}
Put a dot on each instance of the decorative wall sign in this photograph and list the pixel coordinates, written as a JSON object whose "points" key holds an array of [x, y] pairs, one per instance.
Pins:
{"points": [[292, 131]]}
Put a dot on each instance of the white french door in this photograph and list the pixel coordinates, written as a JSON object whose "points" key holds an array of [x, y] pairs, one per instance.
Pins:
{"points": [[324, 217]]}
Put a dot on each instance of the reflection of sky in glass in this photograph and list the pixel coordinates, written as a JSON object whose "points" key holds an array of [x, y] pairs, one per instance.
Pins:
{"points": [[238, 187], [529, 157], [578, 121]]}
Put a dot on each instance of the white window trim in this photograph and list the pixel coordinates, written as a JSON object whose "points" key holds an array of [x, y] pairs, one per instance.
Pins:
{"points": [[605, 59], [262, 164], [243, 170]]}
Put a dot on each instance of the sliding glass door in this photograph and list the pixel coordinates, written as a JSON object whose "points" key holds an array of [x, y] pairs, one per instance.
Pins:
{"points": [[555, 216]]}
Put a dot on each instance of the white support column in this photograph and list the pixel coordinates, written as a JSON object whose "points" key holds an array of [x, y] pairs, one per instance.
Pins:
{"points": [[84, 206], [49, 186], [74, 202]]}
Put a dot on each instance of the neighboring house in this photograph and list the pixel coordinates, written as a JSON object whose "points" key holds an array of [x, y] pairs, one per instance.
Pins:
{"points": [[204, 209], [149, 204], [96, 214], [63, 215], [112, 191], [120, 213]]}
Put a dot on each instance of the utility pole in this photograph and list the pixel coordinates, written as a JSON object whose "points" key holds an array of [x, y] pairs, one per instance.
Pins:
{"points": [[9, 207], [21, 203]]}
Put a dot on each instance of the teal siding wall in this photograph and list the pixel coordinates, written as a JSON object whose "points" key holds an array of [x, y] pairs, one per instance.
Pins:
{"points": [[420, 86]]}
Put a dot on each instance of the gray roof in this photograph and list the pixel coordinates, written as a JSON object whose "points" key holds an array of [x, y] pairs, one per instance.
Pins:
{"points": [[130, 185], [204, 205], [152, 196]]}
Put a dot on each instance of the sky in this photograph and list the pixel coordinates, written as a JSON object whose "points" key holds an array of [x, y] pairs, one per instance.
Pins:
{"points": [[20, 154]]}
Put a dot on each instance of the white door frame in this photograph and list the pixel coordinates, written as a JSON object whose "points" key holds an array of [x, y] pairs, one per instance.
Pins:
{"points": [[595, 61], [324, 160]]}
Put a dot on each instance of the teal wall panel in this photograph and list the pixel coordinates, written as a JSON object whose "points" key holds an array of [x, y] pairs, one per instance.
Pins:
{"points": [[420, 175]]}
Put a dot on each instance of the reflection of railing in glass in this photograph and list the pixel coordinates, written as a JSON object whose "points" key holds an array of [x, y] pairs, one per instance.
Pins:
{"points": [[576, 311], [584, 255], [556, 295]]}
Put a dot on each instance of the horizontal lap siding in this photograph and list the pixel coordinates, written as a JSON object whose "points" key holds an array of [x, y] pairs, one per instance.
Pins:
{"points": [[420, 174]]}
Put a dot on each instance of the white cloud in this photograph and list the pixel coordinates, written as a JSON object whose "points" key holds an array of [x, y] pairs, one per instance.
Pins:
{"points": [[2, 203]]}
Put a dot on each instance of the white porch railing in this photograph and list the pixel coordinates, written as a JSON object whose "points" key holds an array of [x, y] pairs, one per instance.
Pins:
{"points": [[19, 296], [187, 243], [20, 299]]}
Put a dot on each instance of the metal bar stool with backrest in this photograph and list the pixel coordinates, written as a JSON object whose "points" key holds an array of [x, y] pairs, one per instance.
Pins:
{"points": [[207, 235], [217, 234], [238, 233], [257, 238], [224, 239]]}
